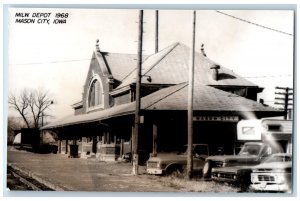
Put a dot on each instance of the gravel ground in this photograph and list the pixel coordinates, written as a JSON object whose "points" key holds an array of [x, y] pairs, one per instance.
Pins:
{"points": [[90, 175], [75, 174]]}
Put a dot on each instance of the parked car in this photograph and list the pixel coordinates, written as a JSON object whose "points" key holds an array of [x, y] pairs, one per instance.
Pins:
{"points": [[237, 175], [274, 175], [171, 163], [252, 153], [241, 175]]}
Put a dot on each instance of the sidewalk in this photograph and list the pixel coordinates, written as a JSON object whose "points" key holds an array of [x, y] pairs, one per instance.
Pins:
{"points": [[74, 174]]}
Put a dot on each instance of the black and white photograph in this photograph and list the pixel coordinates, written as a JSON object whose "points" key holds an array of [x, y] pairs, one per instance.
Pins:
{"points": [[153, 100]]}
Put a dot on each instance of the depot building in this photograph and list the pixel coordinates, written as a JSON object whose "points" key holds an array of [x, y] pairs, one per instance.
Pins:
{"points": [[103, 120]]}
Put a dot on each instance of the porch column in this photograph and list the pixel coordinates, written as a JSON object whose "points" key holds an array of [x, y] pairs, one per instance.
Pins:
{"points": [[154, 130], [103, 139], [67, 146], [59, 146], [83, 143], [108, 138], [94, 144], [121, 147], [132, 140]]}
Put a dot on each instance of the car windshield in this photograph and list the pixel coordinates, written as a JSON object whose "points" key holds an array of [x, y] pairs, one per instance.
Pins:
{"points": [[250, 149], [278, 158]]}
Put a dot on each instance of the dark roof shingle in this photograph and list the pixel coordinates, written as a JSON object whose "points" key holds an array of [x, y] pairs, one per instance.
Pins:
{"points": [[206, 98], [170, 66]]}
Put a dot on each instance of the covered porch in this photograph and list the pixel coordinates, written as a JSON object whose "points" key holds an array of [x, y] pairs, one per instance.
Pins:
{"points": [[106, 134]]}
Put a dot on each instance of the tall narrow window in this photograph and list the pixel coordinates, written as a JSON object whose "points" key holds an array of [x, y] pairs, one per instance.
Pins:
{"points": [[95, 94]]}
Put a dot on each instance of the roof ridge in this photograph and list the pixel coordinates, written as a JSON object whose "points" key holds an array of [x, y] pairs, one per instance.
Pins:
{"points": [[184, 84], [175, 44], [163, 56]]}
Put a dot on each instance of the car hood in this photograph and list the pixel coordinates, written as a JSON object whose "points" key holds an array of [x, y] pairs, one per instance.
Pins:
{"points": [[168, 157], [232, 158], [273, 165]]}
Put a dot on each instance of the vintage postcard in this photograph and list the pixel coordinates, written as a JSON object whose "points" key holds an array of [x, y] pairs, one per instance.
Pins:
{"points": [[150, 100]]}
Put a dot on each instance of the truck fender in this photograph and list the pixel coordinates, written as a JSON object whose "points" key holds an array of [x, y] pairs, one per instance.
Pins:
{"points": [[173, 167], [207, 169]]}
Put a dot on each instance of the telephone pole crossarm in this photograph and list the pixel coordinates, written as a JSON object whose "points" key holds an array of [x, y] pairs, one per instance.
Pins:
{"points": [[285, 98]]}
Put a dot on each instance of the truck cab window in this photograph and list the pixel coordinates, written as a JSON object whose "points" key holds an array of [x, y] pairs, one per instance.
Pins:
{"points": [[250, 150]]}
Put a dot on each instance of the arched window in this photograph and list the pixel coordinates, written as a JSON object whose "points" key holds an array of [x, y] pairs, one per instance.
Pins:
{"points": [[95, 94]]}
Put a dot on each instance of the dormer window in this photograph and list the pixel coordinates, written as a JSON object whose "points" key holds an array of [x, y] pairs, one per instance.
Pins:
{"points": [[95, 94]]}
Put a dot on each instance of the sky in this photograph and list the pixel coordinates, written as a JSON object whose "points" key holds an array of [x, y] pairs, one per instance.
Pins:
{"points": [[56, 57]]}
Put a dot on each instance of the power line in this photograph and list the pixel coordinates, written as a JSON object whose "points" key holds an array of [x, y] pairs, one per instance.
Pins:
{"points": [[48, 62], [75, 60], [262, 26], [268, 76]]}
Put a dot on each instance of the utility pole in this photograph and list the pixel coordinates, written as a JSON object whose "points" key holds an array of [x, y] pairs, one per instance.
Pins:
{"points": [[135, 168], [156, 31], [284, 96], [190, 104]]}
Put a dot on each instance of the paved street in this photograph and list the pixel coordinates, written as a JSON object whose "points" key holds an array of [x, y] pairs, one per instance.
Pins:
{"points": [[75, 174]]}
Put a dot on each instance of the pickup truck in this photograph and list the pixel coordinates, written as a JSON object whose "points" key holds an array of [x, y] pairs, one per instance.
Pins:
{"points": [[274, 175], [241, 175], [172, 163], [252, 153]]}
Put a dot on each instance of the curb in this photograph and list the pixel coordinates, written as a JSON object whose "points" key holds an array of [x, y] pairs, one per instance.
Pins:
{"points": [[43, 181]]}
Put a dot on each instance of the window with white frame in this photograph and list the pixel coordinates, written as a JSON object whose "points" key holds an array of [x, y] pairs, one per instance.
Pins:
{"points": [[95, 94]]}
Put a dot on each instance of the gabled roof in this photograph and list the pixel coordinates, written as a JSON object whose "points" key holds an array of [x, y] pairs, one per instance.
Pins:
{"points": [[120, 65], [148, 64], [206, 98], [170, 66]]}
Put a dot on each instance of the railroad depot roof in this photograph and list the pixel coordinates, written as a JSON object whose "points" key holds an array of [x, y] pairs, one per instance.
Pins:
{"points": [[206, 98], [170, 66], [120, 65]]}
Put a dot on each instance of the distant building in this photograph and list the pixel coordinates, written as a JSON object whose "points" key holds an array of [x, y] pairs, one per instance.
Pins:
{"points": [[103, 120]]}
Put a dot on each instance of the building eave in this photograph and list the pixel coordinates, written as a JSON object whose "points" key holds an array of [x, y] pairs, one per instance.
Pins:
{"points": [[77, 105]]}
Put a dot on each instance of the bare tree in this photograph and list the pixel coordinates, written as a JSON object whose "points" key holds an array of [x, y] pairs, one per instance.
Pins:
{"points": [[31, 105]]}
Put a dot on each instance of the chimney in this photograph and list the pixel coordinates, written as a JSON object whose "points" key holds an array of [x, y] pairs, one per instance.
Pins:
{"points": [[97, 45], [215, 71]]}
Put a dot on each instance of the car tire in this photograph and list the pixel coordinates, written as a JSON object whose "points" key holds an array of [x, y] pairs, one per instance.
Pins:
{"points": [[207, 170], [174, 171]]}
